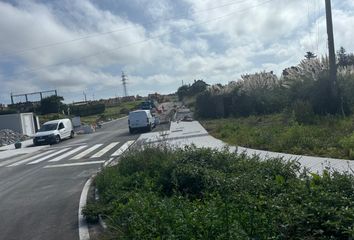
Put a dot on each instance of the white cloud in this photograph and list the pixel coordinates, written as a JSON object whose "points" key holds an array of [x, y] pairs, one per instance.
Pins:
{"points": [[216, 45]]}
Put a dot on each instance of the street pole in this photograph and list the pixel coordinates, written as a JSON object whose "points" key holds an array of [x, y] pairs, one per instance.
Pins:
{"points": [[332, 55]]}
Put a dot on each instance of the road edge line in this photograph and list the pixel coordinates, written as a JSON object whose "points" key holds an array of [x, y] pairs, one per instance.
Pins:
{"points": [[83, 227]]}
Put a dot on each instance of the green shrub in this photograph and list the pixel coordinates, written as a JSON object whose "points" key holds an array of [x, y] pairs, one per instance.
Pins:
{"points": [[88, 109], [348, 144], [52, 104], [221, 195], [303, 112], [124, 111], [91, 212], [9, 111]]}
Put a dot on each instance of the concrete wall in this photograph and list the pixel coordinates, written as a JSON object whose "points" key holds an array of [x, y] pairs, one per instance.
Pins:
{"points": [[28, 123], [22, 123], [11, 121]]}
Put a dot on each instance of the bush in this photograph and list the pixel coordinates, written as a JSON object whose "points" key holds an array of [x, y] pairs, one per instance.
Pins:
{"points": [[303, 112], [124, 111], [9, 111], [52, 104], [88, 109], [209, 106], [348, 144], [205, 194], [91, 213]]}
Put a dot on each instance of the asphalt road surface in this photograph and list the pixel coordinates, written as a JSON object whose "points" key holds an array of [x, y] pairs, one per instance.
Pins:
{"points": [[40, 192]]}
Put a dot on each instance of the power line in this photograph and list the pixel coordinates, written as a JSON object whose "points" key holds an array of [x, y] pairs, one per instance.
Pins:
{"points": [[54, 44], [134, 43]]}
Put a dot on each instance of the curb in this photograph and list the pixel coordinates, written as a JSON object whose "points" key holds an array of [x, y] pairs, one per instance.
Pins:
{"points": [[83, 226]]}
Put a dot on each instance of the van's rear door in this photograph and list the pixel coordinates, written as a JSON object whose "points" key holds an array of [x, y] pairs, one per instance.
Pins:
{"points": [[138, 119]]}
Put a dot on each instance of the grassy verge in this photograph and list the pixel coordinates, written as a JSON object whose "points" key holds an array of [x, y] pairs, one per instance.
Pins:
{"points": [[114, 112], [204, 194], [328, 137]]}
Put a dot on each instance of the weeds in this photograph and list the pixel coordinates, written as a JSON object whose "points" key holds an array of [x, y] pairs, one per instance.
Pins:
{"points": [[205, 194], [327, 137]]}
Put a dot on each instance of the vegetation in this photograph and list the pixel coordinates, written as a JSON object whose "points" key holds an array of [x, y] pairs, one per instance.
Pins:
{"points": [[306, 85], [87, 109], [325, 137], [191, 90], [311, 114], [158, 193], [113, 112], [51, 104]]}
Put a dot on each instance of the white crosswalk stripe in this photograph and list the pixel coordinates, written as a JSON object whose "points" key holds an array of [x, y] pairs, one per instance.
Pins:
{"points": [[104, 150], [30, 158], [124, 147], [67, 154], [76, 153], [49, 156], [86, 152], [73, 164]]}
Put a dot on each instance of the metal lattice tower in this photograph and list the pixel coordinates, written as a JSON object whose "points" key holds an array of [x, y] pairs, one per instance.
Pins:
{"points": [[124, 82]]}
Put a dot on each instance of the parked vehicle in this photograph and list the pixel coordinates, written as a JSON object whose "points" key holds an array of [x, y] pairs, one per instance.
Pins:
{"points": [[147, 105], [141, 119], [54, 131]]}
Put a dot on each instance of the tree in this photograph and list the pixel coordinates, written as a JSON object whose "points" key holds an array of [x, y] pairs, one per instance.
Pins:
{"points": [[197, 87], [310, 55], [182, 92], [52, 104], [342, 57]]}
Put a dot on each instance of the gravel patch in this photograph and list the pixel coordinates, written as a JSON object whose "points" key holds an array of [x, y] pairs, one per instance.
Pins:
{"points": [[8, 136]]}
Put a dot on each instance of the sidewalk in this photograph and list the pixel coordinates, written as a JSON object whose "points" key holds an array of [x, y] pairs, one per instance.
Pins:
{"points": [[10, 151], [187, 133]]}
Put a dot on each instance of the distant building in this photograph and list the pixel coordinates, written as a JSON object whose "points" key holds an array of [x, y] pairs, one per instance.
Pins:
{"points": [[128, 99]]}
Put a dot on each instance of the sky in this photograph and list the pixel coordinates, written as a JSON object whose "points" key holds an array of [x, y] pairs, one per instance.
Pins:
{"points": [[82, 46]]}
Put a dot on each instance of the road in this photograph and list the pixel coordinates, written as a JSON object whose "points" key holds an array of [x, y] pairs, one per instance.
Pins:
{"points": [[40, 192]]}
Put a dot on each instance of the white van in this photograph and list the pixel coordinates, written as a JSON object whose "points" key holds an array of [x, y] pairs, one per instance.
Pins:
{"points": [[54, 132], [140, 119]]}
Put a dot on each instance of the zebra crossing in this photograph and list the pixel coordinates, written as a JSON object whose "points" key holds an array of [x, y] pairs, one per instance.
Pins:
{"points": [[73, 155]]}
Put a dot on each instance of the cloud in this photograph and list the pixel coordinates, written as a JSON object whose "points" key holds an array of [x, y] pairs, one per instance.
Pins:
{"points": [[156, 43]]}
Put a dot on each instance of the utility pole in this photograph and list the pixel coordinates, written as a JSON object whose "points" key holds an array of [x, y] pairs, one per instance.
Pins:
{"points": [[332, 55], [124, 82]]}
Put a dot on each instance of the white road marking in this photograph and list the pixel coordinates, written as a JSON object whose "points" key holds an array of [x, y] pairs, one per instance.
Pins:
{"points": [[122, 149], [87, 151], [49, 156], [83, 228], [73, 164], [104, 150], [71, 145], [30, 158], [75, 150]]}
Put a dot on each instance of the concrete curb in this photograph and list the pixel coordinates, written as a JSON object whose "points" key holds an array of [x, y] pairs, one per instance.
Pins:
{"points": [[83, 226]]}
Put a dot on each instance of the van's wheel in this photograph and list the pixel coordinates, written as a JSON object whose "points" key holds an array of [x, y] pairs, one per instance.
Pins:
{"points": [[57, 139], [150, 128], [72, 134], [131, 130]]}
